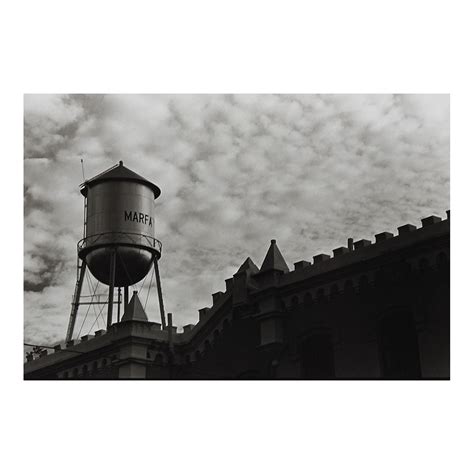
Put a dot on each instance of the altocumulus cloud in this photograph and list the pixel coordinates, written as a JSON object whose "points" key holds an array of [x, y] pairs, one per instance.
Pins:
{"points": [[235, 171]]}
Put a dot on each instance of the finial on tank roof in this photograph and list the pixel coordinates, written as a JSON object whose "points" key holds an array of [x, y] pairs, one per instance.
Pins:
{"points": [[120, 163]]}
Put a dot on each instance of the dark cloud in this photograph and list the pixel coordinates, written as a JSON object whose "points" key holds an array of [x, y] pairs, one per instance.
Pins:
{"points": [[236, 171]]}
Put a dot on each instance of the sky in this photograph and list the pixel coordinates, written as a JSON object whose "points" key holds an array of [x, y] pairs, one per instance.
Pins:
{"points": [[235, 172]]}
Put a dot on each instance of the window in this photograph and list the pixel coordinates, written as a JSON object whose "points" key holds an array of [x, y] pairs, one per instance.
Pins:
{"points": [[363, 283], [308, 299], [348, 286], [399, 346], [424, 265], [317, 356], [321, 296]]}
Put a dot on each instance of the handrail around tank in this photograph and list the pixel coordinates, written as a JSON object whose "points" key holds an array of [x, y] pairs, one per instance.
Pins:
{"points": [[105, 238]]}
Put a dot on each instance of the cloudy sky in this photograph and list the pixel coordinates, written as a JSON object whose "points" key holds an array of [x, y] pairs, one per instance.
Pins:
{"points": [[235, 171]]}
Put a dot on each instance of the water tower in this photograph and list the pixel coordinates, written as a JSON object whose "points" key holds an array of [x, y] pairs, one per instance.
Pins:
{"points": [[119, 245]]}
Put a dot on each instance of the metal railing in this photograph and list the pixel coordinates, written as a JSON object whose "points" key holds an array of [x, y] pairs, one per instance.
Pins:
{"points": [[117, 238]]}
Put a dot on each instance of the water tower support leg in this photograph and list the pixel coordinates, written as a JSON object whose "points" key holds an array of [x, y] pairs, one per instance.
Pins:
{"points": [[75, 302], [111, 287], [125, 297], [160, 294], [119, 300]]}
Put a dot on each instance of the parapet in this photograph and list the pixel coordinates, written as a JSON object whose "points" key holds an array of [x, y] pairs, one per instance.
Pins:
{"points": [[322, 257], [361, 243], [188, 327], [404, 229], [340, 251], [302, 264], [383, 236], [432, 226]]}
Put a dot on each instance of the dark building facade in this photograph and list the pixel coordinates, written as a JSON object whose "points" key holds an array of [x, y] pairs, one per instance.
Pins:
{"points": [[372, 310]]}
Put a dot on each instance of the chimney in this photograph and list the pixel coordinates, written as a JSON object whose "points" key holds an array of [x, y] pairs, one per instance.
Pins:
{"points": [[350, 244]]}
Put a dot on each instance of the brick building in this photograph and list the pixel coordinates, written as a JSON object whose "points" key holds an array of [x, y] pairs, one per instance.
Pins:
{"points": [[374, 310]]}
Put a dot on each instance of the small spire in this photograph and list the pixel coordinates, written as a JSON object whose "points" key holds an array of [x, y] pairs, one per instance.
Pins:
{"points": [[274, 259], [249, 266], [134, 310], [120, 163]]}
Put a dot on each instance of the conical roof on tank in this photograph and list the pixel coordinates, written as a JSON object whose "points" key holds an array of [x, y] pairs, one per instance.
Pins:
{"points": [[119, 172]]}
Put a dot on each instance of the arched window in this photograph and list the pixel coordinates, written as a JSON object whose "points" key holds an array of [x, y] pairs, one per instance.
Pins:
{"points": [[317, 356], [75, 372], [104, 363], [321, 296], [66, 375], [380, 277], [308, 299], [423, 265], [399, 345], [159, 359], [215, 335], [207, 346], [294, 301], [334, 291], [348, 286], [197, 355], [226, 325], [363, 283], [95, 366], [85, 370]]}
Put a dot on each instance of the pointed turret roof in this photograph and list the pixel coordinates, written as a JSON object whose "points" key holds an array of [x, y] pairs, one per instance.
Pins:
{"points": [[274, 259], [134, 310], [119, 172], [249, 266]]}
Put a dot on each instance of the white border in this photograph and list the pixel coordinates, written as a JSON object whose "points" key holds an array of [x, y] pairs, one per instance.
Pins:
{"points": [[140, 46]]}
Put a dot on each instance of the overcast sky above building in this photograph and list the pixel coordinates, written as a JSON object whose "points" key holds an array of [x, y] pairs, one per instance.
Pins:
{"points": [[235, 171]]}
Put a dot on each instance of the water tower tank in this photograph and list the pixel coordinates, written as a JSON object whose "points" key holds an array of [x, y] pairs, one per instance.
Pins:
{"points": [[119, 218]]}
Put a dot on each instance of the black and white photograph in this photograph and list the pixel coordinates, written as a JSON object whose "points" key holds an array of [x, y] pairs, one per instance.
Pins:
{"points": [[237, 236], [228, 236]]}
